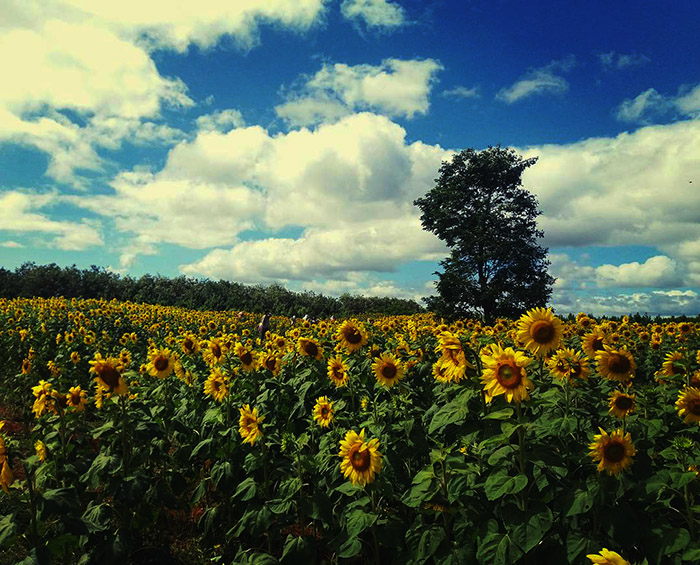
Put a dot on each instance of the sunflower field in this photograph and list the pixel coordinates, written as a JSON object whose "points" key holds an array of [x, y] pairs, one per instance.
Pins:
{"points": [[134, 433]]}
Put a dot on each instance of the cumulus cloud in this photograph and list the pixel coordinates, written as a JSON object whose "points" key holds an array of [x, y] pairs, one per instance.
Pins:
{"points": [[659, 302], [19, 213], [374, 13], [612, 61], [11, 244], [86, 80], [539, 81], [221, 120], [658, 271], [395, 87]]}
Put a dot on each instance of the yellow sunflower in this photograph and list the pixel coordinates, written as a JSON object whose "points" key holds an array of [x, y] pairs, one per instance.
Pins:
{"points": [[215, 386], [76, 398], [213, 351], [75, 357], [272, 363], [26, 367], [6, 476], [249, 424], [622, 404], [672, 365], [351, 336], [568, 364], [388, 370], [309, 348], [453, 360], [540, 331], [361, 460], [189, 344], [247, 357], [614, 452], [41, 452], [161, 363], [441, 371], [338, 371], [324, 413], [505, 373], [108, 374], [615, 364], [607, 557], [688, 404], [594, 342]]}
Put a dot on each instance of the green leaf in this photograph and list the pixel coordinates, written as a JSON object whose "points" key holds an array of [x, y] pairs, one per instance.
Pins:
{"points": [[8, 528], [453, 412], [348, 489], [500, 484], [583, 501], [202, 444], [350, 548], [502, 414], [60, 501], [493, 549], [423, 483], [297, 549], [530, 534], [358, 521], [430, 542], [576, 544], [674, 539], [246, 490]]}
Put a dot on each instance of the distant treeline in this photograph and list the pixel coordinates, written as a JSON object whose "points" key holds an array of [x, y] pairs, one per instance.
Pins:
{"points": [[96, 282]]}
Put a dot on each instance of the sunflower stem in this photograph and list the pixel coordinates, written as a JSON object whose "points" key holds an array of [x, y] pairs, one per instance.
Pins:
{"points": [[689, 512], [377, 560], [521, 453]]}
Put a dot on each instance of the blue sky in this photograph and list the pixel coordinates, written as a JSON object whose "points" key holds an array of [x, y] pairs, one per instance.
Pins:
{"points": [[285, 141]]}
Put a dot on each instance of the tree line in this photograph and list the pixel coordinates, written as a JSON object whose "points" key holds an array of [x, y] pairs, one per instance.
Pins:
{"points": [[46, 281]]}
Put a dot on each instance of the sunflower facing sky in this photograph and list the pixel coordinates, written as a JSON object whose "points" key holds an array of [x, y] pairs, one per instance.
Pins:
{"points": [[613, 452], [540, 331], [361, 459], [505, 373]]}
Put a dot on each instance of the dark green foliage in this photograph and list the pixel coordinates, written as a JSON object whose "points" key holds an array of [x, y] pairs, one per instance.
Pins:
{"points": [[479, 208], [51, 280]]}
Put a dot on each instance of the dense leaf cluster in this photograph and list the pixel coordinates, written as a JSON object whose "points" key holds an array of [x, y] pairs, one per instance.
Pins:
{"points": [[185, 292]]}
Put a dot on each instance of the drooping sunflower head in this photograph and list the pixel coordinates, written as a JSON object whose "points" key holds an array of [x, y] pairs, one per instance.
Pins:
{"points": [[361, 460], [323, 412], [388, 370], [338, 371], [351, 336], [613, 452], [249, 424], [308, 347], [615, 364], [688, 404], [622, 403], [505, 373], [540, 331]]}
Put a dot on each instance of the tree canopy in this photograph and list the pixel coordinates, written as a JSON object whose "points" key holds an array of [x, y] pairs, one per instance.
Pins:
{"points": [[488, 220]]}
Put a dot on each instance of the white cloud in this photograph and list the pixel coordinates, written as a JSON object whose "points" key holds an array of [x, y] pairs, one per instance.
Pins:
{"points": [[663, 303], [395, 88], [221, 120], [11, 244], [375, 13], [643, 108], [19, 214], [618, 61], [658, 271], [543, 80], [94, 59], [461, 92]]}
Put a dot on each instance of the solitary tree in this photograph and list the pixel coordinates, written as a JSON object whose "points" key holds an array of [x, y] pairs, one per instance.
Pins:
{"points": [[488, 220]]}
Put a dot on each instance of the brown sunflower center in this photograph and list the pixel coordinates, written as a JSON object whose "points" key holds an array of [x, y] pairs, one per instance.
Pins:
{"points": [[324, 412], [353, 336], [389, 371], [509, 375], [188, 344], [597, 344], [215, 350], [247, 358], [542, 331], [160, 363], [694, 407], [271, 363], [618, 363], [614, 452], [75, 399], [216, 385], [108, 374], [623, 403], [677, 369], [360, 460], [310, 348]]}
